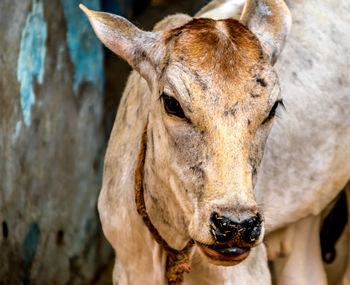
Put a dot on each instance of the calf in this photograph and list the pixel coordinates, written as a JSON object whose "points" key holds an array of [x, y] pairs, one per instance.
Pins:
{"points": [[188, 139]]}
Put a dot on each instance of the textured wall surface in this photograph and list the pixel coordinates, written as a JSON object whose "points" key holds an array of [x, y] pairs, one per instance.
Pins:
{"points": [[51, 143]]}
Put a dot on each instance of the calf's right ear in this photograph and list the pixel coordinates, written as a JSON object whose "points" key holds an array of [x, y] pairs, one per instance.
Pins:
{"points": [[137, 47], [270, 21]]}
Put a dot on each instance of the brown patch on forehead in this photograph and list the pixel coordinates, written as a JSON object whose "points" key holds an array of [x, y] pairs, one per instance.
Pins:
{"points": [[224, 46], [226, 74]]}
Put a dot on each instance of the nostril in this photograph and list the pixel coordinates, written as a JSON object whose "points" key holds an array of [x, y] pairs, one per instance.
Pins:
{"points": [[221, 222], [221, 228], [253, 228]]}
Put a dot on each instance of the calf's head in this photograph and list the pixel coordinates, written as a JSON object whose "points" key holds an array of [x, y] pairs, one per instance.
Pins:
{"points": [[214, 96]]}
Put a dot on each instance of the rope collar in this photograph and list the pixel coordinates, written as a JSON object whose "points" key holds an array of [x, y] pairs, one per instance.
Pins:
{"points": [[178, 262]]}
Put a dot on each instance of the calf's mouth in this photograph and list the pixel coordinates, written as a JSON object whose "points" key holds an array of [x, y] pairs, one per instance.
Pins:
{"points": [[223, 254]]}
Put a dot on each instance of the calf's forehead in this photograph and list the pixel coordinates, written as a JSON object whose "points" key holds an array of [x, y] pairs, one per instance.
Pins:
{"points": [[225, 45], [220, 64]]}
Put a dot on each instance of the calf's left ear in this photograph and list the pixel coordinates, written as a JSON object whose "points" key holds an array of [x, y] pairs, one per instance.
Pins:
{"points": [[126, 40], [270, 21]]}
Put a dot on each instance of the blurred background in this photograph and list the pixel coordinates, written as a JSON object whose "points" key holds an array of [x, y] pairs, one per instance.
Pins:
{"points": [[59, 92]]}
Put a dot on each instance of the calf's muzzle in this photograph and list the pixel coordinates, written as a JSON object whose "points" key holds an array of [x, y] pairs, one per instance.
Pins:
{"points": [[244, 234]]}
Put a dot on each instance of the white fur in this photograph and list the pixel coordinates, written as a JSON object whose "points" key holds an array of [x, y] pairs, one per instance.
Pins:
{"points": [[229, 9]]}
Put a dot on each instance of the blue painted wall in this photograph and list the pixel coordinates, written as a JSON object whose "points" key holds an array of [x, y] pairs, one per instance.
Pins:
{"points": [[30, 245], [31, 59], [85, 50]]}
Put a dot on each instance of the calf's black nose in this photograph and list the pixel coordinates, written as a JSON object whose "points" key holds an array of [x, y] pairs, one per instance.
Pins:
{"points": [[224, 229]]}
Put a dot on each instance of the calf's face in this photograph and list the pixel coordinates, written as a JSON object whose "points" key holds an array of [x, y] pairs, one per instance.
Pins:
{"points": [[210, 117], [214, 96]]}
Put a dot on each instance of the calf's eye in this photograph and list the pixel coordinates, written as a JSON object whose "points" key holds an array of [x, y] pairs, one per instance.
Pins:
{"points": [[273, 111], [172, 106]]}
